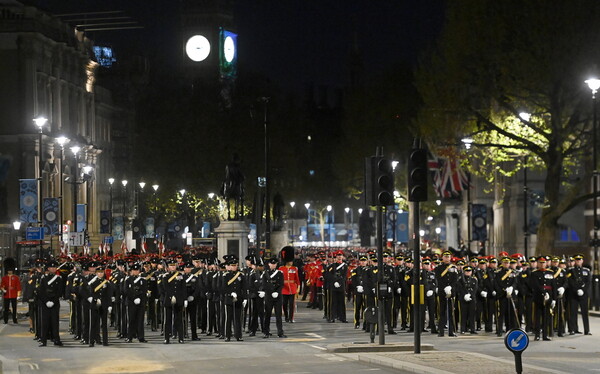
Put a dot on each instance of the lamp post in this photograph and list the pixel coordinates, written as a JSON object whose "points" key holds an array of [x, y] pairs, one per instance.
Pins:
{"points": [[348, 225], [87, 178], [124, 183], [292, 205], [17, 227], [265, 100], [307, 206], [329, 208], [594, 85], [40, 122], [110, 194], [61, 140], [75, 149]]}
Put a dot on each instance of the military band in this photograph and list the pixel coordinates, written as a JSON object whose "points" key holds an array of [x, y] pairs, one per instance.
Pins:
{"points": [[186, 298]]}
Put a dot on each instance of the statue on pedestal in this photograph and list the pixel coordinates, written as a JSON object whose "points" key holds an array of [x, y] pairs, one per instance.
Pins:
{"points": [[232, 189]]}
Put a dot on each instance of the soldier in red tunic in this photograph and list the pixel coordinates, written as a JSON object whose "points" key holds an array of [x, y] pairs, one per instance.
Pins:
{"points": [[291, 283], [10, 289]]}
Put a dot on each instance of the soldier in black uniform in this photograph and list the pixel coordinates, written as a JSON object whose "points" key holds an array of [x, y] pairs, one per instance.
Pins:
{"points": [[149, 274], [489, 281], [526, 293], [400, 306], [29, 289], [234, 287], [405, 284], [136, 287], [544, 290], [580, 282], [359, 280], [385, 291], [100, 290], [271, 285], [51, 288], [201, 303], [89, 272], [337, 287], [428, 281], [505, 283], [446, 276], [560, 275], [256, 303], [175, 299], [193, 289], [212, 312], [467, 289]]}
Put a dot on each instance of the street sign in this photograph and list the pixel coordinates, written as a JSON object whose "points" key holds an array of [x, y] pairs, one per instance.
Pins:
{"points": [[76, 239], [34, 233], [517, 341]]}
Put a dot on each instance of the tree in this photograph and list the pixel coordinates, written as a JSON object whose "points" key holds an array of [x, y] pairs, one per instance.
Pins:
{"points": [[496, 59]]}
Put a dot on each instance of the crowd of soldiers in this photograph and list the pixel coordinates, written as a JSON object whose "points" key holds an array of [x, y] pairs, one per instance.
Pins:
{"points": [[176, 294], [185, 296], [542, 294]]}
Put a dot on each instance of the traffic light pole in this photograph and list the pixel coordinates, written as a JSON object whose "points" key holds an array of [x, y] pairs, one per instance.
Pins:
{"points": [[416, 309]]}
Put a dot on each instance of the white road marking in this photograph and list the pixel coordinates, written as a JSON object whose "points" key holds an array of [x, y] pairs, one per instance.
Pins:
{"points": [[315, 346], [314, 335]]}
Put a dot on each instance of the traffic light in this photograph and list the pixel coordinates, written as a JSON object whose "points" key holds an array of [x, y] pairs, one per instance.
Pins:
{"points": [[417, 175], [379, 181]]}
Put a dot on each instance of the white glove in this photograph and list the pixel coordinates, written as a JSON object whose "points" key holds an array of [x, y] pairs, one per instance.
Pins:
{"points": [[50, 304], [336, 285], [493, 293], [509, 291], [546, 296], [389, 289], [516, 292], [98, 302], [89, 299], [137, 301], [173, 300], [399, 290], [483, 294], [261, 294], [552, 304], [234, 295], [467, 297], [109, 309], [274, 295], [244, 303], [185, 303], [190, 298], [429, 293], [580, 292], [112, 299], [360, 289], [448, 290], [561, 291]]}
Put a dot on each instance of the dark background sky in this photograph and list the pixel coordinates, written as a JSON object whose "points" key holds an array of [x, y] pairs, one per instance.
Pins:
{"points": [[293, 42]]}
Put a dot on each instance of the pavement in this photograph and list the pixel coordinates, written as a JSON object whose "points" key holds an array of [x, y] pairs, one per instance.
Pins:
{"points": [[312, 346]]}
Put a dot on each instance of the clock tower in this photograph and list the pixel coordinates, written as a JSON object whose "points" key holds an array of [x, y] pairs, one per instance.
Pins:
{"points": [[208, 40]]}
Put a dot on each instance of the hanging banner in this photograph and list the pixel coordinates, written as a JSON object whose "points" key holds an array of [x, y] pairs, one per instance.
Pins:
{"points": [[105, 221], [118, 231], [50, 215], [402, 227], [149, 227], [28, 206], [80, 218], [479, 220]]}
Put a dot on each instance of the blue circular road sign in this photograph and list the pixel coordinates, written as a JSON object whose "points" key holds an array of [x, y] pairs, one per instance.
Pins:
{"points": [[516, 340]]}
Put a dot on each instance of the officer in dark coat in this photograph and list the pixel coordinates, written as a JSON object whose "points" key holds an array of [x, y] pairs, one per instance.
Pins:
{"points": [[428, 281], [175, 300], [256, 308], [270, 290], [446, 276], [100, 290], [467, 289], [544, 290], [580, 282], [192, 287], [234, 298], [50, 290], [358, 277], [136, 287]]}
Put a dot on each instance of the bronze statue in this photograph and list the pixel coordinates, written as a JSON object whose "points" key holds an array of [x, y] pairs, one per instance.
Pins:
{"points": [[233, 189]]}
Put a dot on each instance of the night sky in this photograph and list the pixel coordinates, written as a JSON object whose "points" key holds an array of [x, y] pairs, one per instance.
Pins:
{"points": [[293, 42]]}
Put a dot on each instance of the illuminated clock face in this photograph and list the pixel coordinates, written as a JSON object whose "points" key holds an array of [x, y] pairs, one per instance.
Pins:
{"points": [[229, 49], [197, 48]]}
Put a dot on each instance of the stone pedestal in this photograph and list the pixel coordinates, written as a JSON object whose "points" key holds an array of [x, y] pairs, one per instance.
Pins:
{"points": [[232, 239], [279, 239]]}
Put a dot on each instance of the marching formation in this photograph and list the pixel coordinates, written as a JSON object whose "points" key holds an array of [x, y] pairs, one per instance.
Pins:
{"points": [[178, 295], [185, 296], [543, 295]]}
